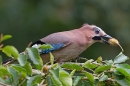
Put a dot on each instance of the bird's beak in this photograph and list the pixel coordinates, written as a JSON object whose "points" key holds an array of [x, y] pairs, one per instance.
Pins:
{"points": [[104, 38]]}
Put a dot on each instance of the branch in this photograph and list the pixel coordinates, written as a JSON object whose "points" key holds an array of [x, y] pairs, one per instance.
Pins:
{"points": [[2, 84]]}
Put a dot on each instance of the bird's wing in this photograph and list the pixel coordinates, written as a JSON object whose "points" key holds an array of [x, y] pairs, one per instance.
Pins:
{"points": [[56, 40], [54, 47]]}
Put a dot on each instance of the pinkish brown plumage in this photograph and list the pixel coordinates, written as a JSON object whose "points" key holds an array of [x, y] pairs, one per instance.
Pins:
{"points": [[75, 42]]}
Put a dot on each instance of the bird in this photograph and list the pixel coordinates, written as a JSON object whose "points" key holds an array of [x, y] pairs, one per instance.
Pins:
{"points": [[68, 45]]}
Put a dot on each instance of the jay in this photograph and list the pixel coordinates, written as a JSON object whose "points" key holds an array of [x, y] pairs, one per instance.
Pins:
{"points": [[68, 45]]}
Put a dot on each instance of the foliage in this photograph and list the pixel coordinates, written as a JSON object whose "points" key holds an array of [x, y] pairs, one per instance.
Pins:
{"points": [[29, 20], [29, 70]]}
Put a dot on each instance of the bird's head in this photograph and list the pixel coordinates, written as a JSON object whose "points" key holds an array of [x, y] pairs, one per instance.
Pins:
{"points": [[95, 33]]}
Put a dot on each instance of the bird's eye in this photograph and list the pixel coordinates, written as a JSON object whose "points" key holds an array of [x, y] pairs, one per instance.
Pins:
{"points": [[97, 30]]}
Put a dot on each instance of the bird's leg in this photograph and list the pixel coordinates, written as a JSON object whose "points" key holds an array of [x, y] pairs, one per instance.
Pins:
{"points": [[75, 59], [80, 58]]}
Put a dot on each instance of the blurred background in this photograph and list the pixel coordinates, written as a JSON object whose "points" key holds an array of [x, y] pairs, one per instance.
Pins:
{"points": [[29, 20]]}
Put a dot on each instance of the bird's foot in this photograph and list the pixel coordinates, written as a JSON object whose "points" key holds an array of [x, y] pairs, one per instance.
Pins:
{"points": [[78, 58]]}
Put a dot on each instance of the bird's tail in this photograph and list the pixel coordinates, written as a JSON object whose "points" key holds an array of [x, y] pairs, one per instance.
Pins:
{"points": [[11, 59], [6, 61]]}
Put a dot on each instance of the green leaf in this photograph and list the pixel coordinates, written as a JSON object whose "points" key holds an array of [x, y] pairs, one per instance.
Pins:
{"points": [[54, 65], [0, 60], [22, 59], [11, 51], [86, 83], [3, 71], [88, 64], [99, 59], [51, 58], [49, 81], [8, 80], [125, 66], [77, 67], [102, 68], [100, 84], [65, 78], [67, 65], [55, 77], [72, 66], [120, 58], [103, 78], [32, 81], [2, 80], [76, 80], [123, 71], [35, 57], [28, 68], [123, 81], [5, 37], [117, 72], [20, 70], [89, 76], [72, 73], [109, 62], [13, 72], [45, 46]]}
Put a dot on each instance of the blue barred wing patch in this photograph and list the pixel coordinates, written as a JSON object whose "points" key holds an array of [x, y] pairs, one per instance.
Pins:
{"points": [[54, 47]]}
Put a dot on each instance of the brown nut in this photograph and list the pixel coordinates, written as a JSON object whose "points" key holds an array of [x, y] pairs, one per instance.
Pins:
{"points": [[45, 69], [114, 42]]}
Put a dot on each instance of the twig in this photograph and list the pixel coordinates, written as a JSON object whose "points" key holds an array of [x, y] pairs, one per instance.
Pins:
{"points": [[90, 70], [2, 84], [22, 82], [34, 71], [41, 84], [16, 79], [11, 60]]}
